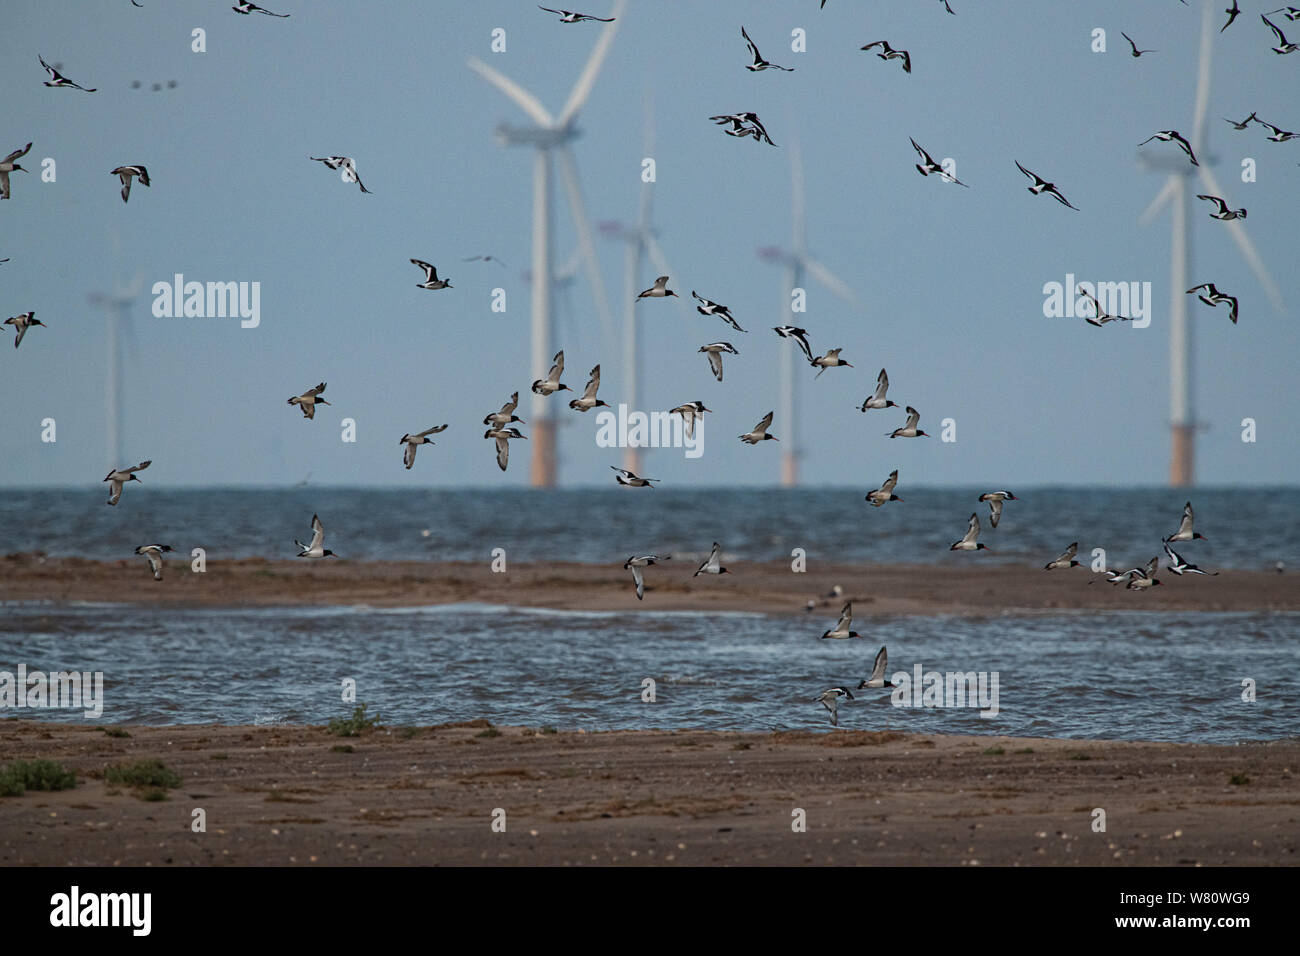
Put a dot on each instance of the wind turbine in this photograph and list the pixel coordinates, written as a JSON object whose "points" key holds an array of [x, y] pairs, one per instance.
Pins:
{"points": [[1177, 195], [552, 135], [117, 305], [797, 263]]}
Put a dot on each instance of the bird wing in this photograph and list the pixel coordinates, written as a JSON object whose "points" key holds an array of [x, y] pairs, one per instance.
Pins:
{"points": [[317, 532], [503, 453], [432, 431], [715, 362], [764, 423], [890, 482], [973, 528], [995, 511], [913, 416], [1189, 516], [640, 582], [882, 384], [429, 273], [882, 662], [140, 467], [752, 49], [592, 384]]}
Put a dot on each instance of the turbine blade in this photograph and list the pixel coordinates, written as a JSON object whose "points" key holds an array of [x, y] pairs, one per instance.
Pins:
{"points": [[587, 79], [1162, 197], [1202, 81], [826, 278], [523, 99], [578, 210], [1246, 247]]}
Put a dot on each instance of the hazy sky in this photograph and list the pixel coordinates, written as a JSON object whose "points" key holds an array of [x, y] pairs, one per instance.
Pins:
{"points": [[950, 279]]}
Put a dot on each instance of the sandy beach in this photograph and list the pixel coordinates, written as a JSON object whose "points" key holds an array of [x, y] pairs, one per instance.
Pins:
{"points": [[767, 587], [284, 795]]}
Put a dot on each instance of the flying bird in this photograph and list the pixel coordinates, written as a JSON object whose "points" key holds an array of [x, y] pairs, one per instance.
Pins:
{"points": [[714, 351], [968, 541], [1065, 560], [830, 360], [412, 442], [22, 323], [551, 384], [1233, 12], [486, 259], [1041, 186], [759, 434], [154, 553], [830, 699], [799, 335], [889, 53], [713, 308], [308, 400], [507, 413], [878, 400], [1244, 124], [7, 166], [842, 630], [909, 430], [636, 563], [1291, 13], [625, 477], [742, 125], [58, 79], [1145, 578], [1180, 567], [877, 678], [1279, 135], [588, 401], [1212, 296], [118, 477], [690, 412], [659, 290], [431, 280], [503, 436], [346, 164], [247, 8], [930, 166], [1136, 52], [1222, 212], [995, 499], [568, 16], [885, 492], [126, 173], [1185, 530], [760, 63], [1100, 316], [1172, 135], [314, 550], [1282, 45], [713, 563]]}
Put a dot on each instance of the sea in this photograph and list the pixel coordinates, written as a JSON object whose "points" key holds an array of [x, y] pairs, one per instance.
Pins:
{"points": [[1137, 674]]}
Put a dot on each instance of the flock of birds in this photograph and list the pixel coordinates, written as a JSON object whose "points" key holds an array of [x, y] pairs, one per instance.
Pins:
{"points": [[501, 424]]}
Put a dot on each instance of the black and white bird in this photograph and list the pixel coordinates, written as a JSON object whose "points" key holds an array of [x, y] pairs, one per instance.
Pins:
{"points": [[995, 499], [503, 436], [742, 125], [930, 166], [909, 430], [58, 79], [760, 63], [126, 174], [1283, 45], [659, 290], [551, 384], [1099, 315], [713, 563], [1222, 212], [877, 678], [1208, 294], [344, 163], [118, 477], [315, 549], [707, 307], [759, 434], [1180, 567], [1186, 530], [22, 323], [154, 553], [1233, 12], [1291, 13], [1279, 135], [830, 360], [843, 629], [588, 401], [568, 16], [431, 280], [799, 335], [1136, 52], [8, 165], [247, 8], [636, 563], [885, 492], [968, 541], [309, 399], [1041, 186], [1065, 560], [1140, 580], [690, 412], [1244, 124], [486, 259], [879, 400], [625, 477], [507, 413], [714, 351], [887, 52], [830, 699], [1172, 136], [412, 442]]}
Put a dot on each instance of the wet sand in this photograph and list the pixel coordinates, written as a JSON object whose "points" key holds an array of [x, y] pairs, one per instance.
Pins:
{"points": [[770, 587], [283, 796]]}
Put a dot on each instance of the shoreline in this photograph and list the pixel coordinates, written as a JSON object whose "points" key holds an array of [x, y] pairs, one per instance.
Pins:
{"points": [[286, 795], [756, 587]]}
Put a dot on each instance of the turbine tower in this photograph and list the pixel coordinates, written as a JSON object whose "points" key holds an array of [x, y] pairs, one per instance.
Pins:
{"points": [[1177, 195], [117, 307], [797, 263], [550, 137]]}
